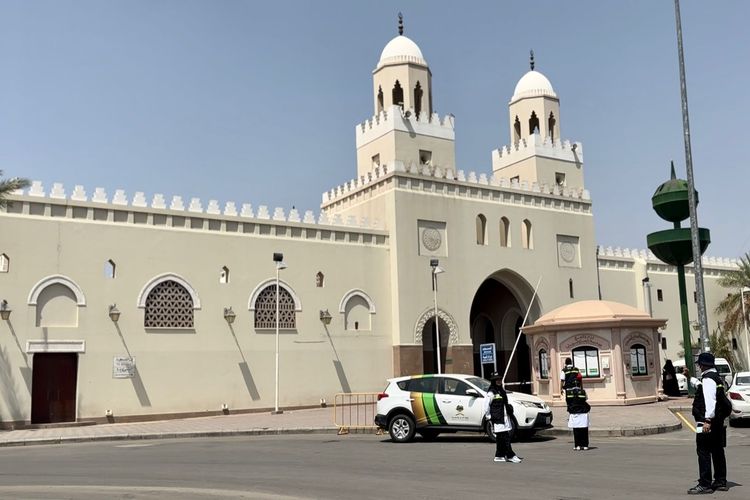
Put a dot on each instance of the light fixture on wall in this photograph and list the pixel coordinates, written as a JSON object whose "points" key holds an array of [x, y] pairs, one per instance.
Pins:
{"points": [[5, 310], [229, 315], [114, 313], [325, 317]]}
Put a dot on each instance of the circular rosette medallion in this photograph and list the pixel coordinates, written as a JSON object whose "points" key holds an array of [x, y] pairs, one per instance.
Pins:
{"points": [[431, 239]]}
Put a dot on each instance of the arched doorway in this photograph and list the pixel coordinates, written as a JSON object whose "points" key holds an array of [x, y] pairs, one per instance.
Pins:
{"points": [[429, 353], [496, 316]]}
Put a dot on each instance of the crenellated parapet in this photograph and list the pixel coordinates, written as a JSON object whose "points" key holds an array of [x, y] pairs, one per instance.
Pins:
{"points": [[631, 254], [535, 145], [180, 213], [395, 118], [460, 183]]}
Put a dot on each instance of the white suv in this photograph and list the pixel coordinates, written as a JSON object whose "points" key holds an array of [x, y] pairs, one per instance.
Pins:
{"points": [[431, 404]]}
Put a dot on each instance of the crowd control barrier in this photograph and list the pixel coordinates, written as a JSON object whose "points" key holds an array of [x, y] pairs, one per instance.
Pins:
{"points": [[355, 411]]}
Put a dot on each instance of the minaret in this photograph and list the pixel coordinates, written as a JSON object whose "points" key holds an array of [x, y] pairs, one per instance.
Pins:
{"points": [[403, 127], [534, 107]]}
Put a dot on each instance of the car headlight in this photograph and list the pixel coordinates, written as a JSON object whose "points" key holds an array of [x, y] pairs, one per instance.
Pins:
{"points": [[529, 404]]}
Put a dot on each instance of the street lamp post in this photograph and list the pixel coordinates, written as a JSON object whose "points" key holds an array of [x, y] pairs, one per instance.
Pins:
{"points": [[435, 271], [743, 291], [278, 258]]}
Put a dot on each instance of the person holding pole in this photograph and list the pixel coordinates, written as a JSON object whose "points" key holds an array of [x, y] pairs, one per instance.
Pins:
{"points": [[498, 410]]}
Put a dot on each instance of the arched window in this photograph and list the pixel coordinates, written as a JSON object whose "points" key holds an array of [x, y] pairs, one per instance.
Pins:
{"points": [[543, 364], [265, 309], [319, 279], [169, 305], [398, 95], [527, 236], [110, 269], [551, 126], [380, 99], [418, 99], [481, 230], [516, 131], [586, 359], [224, 275], [638, 364], [533, 123], [357, 308], [4, 263], [504, 232]]}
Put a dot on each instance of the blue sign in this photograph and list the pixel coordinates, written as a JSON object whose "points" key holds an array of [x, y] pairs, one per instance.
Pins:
{"points": [[487, 353]]}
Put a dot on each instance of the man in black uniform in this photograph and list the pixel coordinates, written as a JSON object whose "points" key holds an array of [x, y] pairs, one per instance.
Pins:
{"points": [[711, 442], [568, 376]]}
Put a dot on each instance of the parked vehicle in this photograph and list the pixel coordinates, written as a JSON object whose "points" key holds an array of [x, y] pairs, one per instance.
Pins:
{"points": [[739, 395], [722, 367], [433, 404]]}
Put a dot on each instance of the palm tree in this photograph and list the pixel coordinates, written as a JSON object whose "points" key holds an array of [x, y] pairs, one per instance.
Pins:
{"points": [[731, 307], [7, 186]]}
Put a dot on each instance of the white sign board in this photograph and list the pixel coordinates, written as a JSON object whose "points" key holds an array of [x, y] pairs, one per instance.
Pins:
{"points": [[123, 367], [487, 353]]}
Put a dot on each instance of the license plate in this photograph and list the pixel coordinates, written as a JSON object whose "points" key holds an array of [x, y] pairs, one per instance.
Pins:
{"points": [[547, 420]]}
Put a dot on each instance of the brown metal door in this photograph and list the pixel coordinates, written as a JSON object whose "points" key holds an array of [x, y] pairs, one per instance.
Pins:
{"points": [[53, 388]]}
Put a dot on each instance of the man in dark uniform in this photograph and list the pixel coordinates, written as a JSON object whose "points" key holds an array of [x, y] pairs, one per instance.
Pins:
{"points": [[711, 441], [568, 375]]}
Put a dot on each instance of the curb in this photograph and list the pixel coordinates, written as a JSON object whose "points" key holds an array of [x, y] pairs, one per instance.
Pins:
{"points": [[617, 432], [169, 435]]}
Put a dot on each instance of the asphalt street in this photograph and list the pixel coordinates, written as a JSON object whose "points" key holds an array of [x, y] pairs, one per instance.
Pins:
{"points": [[365, 466]]}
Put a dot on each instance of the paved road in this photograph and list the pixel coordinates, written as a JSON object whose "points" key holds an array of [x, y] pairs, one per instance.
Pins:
{"points": [[363, 466]]}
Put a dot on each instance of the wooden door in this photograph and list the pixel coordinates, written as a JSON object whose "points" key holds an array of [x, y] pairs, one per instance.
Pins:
{"points": [[53, 388]]}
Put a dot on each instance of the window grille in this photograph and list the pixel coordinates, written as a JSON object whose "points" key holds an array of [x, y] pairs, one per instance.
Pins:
{"points": [[265, 309], [169, 305]]}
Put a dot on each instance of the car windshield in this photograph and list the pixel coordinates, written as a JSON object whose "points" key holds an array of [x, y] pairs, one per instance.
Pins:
{"points": [[744, 380], [479, 382], [723, 369]]}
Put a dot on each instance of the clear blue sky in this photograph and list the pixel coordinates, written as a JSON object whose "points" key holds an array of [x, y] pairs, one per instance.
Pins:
{"points": [[256, 102]]}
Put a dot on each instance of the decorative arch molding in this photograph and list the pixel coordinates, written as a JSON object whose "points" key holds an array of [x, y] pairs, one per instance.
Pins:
{"points": [[541, 343], [352, 293], [146, 290], [585, 339], [57, 279], [429, 314], [637, 338], [272, 281]]}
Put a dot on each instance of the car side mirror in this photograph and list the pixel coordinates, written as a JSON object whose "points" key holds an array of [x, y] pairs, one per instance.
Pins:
{"points": [[473, 393]]}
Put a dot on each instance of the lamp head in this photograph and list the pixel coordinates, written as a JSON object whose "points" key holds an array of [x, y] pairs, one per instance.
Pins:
{"points": [[325, 317], [114, 313], [229, 315], [434, 262], [4, 310], [278, 257]]}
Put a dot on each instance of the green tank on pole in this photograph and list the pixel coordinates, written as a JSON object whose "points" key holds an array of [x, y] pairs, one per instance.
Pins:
{"points": [[674, 247]]}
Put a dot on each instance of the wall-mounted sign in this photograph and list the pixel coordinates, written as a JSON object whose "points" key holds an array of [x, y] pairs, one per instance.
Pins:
{"points": [[123, 367], [487, 353]]}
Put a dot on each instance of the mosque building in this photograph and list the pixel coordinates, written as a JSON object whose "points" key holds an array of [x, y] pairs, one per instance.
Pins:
{"points": [[125, 308]]}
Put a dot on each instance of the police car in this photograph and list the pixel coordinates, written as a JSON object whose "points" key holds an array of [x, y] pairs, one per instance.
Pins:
{"points": [[434, 404]]}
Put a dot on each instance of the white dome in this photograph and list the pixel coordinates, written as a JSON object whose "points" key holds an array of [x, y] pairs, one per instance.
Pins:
{"points": [[400, 50], [533, 84]]}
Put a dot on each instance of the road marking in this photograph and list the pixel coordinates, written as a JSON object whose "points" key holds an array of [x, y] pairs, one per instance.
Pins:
{"points": [[134, 445], [691, 426]]}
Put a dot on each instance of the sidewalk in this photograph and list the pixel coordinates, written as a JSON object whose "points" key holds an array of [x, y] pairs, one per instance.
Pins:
{"points": [[636, 420]]}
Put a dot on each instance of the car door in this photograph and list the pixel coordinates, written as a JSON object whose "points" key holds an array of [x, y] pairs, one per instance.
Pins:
{"points": [[424, 402], [457, 407]]}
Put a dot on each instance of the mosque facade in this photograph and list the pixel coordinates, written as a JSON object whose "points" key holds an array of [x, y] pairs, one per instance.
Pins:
{"points": [[125, 308]]}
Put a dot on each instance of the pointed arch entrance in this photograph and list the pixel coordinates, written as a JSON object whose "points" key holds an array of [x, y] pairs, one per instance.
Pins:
{"points": [[496, 316], [425, 335]]}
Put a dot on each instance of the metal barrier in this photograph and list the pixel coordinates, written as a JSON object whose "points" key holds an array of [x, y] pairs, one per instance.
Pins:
{"points": [[355, 411]]}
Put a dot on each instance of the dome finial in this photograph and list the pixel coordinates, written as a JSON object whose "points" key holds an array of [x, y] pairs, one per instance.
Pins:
{"points": [[674, 176], [400, 24], [531, 59]]}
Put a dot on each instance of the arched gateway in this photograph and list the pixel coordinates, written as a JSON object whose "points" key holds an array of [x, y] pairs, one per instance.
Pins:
{"points": [[496, 316]]}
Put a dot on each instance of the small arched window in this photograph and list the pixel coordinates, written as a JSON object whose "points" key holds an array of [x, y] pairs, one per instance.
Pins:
{"points": [[398, 95], [533, 123], [110, 269], [265, 309], [551, 126], [418, 92], [380, 99], [319, 279], [638, 364], [516, 131], [481, 229], [4, 263], [504, 232], [169, 305], [586, 359], [224, 275], [543, 364], [527, 235]]}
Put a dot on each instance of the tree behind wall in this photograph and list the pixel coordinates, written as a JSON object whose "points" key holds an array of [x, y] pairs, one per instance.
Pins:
{"points": [[7, 186], [730, 309]]}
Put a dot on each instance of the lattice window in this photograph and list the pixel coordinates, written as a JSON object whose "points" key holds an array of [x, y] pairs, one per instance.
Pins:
{"points": [[169, 305], [265, 309]]}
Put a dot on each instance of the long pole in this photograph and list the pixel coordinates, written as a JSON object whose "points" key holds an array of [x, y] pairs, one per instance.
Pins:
{"points": [[692, 202], [276, 398], [744, 321], [525, 318], [437, 320]]}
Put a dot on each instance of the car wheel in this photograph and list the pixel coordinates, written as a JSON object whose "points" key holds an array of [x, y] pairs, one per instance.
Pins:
{"points": [[488, 430], [429, 434], [401, 428]]}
